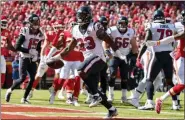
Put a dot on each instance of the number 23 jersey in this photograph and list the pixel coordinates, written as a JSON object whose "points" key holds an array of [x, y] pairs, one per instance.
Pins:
{"points": [[122, 41], [89, 44], [160, 31]]}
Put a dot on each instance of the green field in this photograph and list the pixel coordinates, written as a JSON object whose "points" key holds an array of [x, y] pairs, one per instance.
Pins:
{"points": [[40, 98]]}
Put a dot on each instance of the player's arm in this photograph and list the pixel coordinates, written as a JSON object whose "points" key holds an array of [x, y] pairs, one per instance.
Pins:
{"points": [[144, 47], [134, 45], [18, 45], [167, 40], [66, 50], [10, 46]]}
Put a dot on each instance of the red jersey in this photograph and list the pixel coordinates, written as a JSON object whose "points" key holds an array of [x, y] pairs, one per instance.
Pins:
{"points": [[181, 49], [4, 36], [73, 55], [50, 37]]}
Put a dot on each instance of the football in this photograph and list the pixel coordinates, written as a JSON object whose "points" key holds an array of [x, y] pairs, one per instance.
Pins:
{"points": [[55, 64]]}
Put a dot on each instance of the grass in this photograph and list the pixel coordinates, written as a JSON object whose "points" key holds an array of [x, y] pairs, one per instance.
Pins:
{"points": [[40, 98]]}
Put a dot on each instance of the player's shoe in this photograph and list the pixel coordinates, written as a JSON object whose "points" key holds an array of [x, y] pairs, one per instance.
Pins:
{"points": [[89, 99], [30, 95], [25, 101], [158, 105], [69, 101], [96, 100], [52, 95], [75, 103], [111, 114], [147, 106], [134, 102], [8, 95], [110, 98], [124, 99]]}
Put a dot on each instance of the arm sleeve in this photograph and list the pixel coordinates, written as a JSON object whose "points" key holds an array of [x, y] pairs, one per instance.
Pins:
{"points": [[19, 42]]}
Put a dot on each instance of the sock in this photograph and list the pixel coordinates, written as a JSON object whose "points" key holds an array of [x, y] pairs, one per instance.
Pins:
{"points": [[124, 92], [35, 83], [69, 95], [177, 89], [111, 90], [61, 82], [150, 90], [174, 102], [2, 79], [55, 84], [137, 93], [150, 101], [165, 96], [112, 108], [70, 86]]}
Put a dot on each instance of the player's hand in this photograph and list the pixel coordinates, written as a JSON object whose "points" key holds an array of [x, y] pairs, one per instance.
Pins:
{"points": [[121, 56], [33, 52], [151, 43], [138, 63]]}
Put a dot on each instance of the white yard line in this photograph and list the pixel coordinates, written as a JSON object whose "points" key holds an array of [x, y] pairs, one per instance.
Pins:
{"points": [[19, 113]]}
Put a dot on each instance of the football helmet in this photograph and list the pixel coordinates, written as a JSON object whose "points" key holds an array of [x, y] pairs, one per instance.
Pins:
{"points": [[104, 21], [58, 25], [158, 16], [4, 22], [122, 24], [34, 22], [84, 15]]}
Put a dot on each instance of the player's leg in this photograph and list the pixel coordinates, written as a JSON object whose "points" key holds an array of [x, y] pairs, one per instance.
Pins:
{"points": [[3, 70], [103, 80], [123, 67], [168, 72], [177, 88], [86, 71], [42, 68], [153, 70], [23, 65], [113, 66], [32, 67]]}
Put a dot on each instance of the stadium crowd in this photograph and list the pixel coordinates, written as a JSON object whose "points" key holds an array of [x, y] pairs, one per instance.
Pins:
{"points": [[139, 14], [66, 36]]}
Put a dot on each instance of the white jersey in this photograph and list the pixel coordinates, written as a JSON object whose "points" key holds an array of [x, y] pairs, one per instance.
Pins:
{"points": [[121, 40], [160, 31], [179, 27], [88, 43], [31, 40]]}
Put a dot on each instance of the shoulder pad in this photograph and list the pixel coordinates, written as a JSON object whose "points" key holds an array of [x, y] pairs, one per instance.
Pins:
{"points": [[23, 31]]}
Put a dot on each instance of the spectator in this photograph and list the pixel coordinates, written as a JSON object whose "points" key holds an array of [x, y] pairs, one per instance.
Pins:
{"points": [[15, 68]]}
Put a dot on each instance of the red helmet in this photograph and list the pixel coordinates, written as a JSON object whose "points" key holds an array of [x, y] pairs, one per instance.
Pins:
{"points": [[4, 22], [58, 24]]}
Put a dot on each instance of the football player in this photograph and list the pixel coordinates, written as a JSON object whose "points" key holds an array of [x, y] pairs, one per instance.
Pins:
{"points": [[87, 36], [5, 44], [178, 60], [161, 58], [28, 43], [124, 38]]}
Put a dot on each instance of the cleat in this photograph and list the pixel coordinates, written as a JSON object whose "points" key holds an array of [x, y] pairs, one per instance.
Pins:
{"points": [[111, 114], [75, 103], [158, 105], [69, 101], [52, 95], [30, 95], [124, 100], [25, 101], [147, 106], [110, 98], [96, 100], [134, 102], [8, 95], [89, 99]]}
